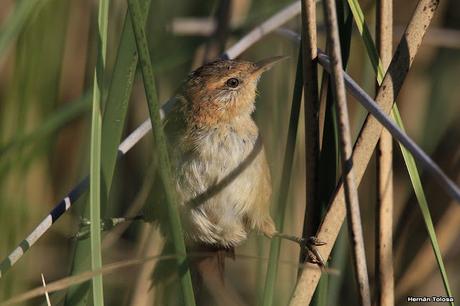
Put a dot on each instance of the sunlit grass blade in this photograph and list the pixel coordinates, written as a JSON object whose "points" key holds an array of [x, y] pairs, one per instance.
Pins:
{"points": [[408, 158], [420, 194], [120, 89], [95, 154], [163, 158], [115, 110]]}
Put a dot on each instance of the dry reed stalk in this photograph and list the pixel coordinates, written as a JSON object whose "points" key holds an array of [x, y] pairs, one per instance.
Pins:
{"points": [[311, 113], [367, 140], [384, 231], [351, 192]]}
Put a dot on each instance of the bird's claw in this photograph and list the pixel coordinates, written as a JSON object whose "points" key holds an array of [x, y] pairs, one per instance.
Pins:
{"points": [[313, 241], [309, 244]]}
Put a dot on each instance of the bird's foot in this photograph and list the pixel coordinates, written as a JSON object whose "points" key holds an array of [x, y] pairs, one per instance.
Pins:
{"points": [[310, 245]]}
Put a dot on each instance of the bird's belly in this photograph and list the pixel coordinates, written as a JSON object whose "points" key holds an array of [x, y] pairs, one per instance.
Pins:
{"points": [[217, 190]]}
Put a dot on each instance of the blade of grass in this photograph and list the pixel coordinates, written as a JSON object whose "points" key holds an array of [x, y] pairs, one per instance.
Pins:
{"points": [[272, 269], [95, 154], [163, 158], [408, 158], [420, 194], [118, 98], [115, 111]]}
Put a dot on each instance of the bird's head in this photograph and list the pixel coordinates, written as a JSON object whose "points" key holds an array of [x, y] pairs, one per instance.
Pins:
{"points": [[220, 91]]}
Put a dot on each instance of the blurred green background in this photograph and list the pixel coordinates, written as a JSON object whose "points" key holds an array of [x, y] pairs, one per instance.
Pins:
{"points": [[47, 58]]}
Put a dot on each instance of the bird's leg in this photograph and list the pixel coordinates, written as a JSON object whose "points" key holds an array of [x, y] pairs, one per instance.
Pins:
{"points": [[106, 224], [308, 244]]}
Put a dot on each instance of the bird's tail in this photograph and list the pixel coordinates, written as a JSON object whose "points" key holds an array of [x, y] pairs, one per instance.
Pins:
{"points": [[208, 261], [207, 266]]}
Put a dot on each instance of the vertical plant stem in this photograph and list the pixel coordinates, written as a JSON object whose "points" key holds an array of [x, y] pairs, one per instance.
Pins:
{"points": [[163, 158], [272, 270], [311, 112], [384, 222], [114, 115], [351, 191], [95, 158], [420, 194], [118, 97]]}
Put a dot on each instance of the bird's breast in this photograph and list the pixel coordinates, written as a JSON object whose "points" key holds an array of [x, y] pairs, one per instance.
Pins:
{"points": [[218, 175]]}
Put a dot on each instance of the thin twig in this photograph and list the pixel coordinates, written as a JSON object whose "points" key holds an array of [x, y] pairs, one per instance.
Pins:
{"points": [[351, 192], [263, 29], [384, 217], [370, 133], [193, 26], [47, 296]]}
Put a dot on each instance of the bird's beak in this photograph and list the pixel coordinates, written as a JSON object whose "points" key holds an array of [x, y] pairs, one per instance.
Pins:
{"points": [[267, 64]]}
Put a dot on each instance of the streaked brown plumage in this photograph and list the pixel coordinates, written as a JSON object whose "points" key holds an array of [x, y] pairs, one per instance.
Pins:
{"points": [[212, 135]]}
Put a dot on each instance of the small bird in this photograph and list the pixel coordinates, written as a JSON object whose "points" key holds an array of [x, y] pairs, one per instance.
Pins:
{"points": [[222, 176], [221, 172]]}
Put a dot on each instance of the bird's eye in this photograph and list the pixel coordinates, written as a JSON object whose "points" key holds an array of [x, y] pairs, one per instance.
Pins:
{"points": [[233, 82]]}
